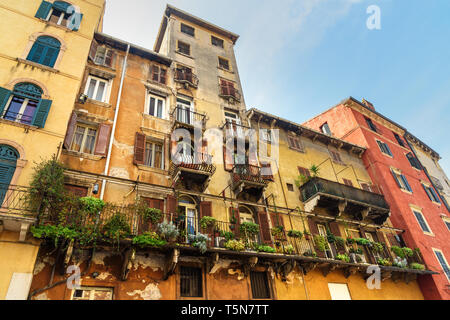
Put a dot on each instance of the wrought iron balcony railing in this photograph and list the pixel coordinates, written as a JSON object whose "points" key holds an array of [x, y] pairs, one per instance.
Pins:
{"points": [[334, 189], [230, 93], [247, 173], [14, 200], [183, 76], [187, 117], [198, 162]]}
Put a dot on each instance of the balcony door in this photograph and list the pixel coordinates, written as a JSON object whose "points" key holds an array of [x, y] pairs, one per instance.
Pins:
{"points": [[8, 162], [185, 153], [185, 109], [323, 232], [246, 215], [233, 122], [188, 209]]}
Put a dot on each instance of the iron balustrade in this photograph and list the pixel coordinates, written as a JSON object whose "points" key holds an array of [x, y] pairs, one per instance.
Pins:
{"points": [[230, 93], [318, 185], [188, 117], [247, 173], [198, 162], [14, 200]]}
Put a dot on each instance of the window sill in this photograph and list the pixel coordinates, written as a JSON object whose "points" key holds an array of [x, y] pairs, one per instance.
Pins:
{"points": [[225, 70], [406, 191], [99, 103], [298, 150], [150, 117], [37, 65], [18, 124], [389, 156], [57, 26], [184, 54], [82, 155], [151, 169]]}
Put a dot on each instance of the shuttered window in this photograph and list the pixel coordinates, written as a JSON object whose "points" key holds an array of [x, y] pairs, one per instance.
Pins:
{"points": [[217, 42], [184, 48], [384, 148], [191, 282], [304, 172], [60, 13], [102, 55], [348, 182], [420, 218], [84, 139], [443, 263], [399, 140], [260, 285], [148, 152], [432, 195], [371, 125], [295, 143], [45, 51], [158, 74], [366, 187], [401, 181], [413, 161], [227, 88], [335, 156], [187, 30]]}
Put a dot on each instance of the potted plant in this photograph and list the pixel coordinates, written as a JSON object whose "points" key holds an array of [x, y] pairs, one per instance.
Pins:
{"points": [[235, 245], [289, 249], [199, 241], [295, 234], [208, 223], [168, 231]]}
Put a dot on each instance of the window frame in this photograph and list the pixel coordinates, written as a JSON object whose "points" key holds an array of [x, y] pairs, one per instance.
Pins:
{"points": [[92, 290], [446, 221], [183, 44], [266, 282], [182, 24], [202, 281], [384, 148], [297, 145], [431, 193], [219, 41], [327, 130], [106, 92], [399, 140], [153, 143], [333, 157], [83, 141], [227, 63], [371, 125], [445, 260], [156, 97], [401, 179], [22, 109], [416, 212]]}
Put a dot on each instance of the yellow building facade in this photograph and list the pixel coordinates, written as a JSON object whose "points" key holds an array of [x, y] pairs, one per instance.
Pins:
{"points": [[44, 46]]}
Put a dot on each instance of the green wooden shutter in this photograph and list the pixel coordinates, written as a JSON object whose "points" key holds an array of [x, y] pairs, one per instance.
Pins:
{"points": [[4, 96], [396, 179], [40, 117], [77, 26], [44, 10], [408, 187]]}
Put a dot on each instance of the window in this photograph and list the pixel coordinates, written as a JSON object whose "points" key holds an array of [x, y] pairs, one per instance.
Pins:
{"points": [[401, 180], [154, 155], [366, 187], [399, 140], [76, 190], [158, 74], [183, 73], [224, 63], [184, 48], [348, 182], [447, 222], [413, 161], [191, 282], [384, 148], [290, 187], [260, 285], [185, 109], [431, 193], [227, 89], [295, 143], [442, 262], [339, 291], [156, 106], [266, 135], [45, 51], [97, 89], [217, 42], [187, 30], [86, 293], [24, 104], [84, 139], [60, 13], [304, 172], [422, 222], [335, 156], [325, 128], [371, 125]]}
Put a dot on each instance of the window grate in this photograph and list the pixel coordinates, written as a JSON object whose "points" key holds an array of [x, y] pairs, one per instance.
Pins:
{"points": [[191, 282], [260, 285]]}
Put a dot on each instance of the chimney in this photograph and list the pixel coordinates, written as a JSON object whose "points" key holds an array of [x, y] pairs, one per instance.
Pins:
{"points": [[368, 104]]}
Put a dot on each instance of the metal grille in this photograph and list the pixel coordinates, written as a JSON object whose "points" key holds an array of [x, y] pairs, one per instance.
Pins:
{"points": [[260, 285], [191, 282]]}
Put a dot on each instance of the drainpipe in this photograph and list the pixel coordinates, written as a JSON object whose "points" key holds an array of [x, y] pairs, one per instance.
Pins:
{"points": [[443, 200], [116, 113]]}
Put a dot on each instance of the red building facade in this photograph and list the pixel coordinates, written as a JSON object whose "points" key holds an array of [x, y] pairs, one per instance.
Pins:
{"points": [[415, 205]]}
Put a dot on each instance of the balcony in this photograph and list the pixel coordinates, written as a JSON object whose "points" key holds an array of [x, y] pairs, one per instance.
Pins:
{"points": [[232, 130], [230, 93], [192, 172], [247, 182], [340, 198], [185, 77], [188, 119]]}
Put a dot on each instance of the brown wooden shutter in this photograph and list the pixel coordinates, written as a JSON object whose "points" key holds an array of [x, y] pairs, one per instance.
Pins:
{"points": [[110, 57], [227, 160], [305, 172], [205, 209], [155, 73], [348, 182], [104, 132], [139, 149], [314, 230], [264, 227], [224, 87], [70, 130], [162, 76], [93, 50], [172, 204], [334, 228]]}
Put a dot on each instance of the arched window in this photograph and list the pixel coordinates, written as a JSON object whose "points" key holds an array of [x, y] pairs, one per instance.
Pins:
{"points": [[8, 161], [24, 104], [45, 51]]}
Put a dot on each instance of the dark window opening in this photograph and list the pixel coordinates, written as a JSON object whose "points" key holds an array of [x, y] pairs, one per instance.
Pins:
{"points": [[326, 129], [216, 42], [371, 125], [188, 30], [184, 48], [260, 285], [224, 63], [290, 187], [399, 140], [191, 282]]}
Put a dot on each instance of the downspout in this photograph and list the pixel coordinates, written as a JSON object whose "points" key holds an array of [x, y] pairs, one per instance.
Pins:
{"points": [[443, 200], [116, 113]]}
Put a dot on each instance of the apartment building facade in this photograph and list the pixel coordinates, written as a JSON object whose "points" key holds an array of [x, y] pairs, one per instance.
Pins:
{"points": [[44, 46], [415, 204]]}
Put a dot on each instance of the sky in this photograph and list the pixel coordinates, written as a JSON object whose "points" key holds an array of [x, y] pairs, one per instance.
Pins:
{"points": [[298, 58]]}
